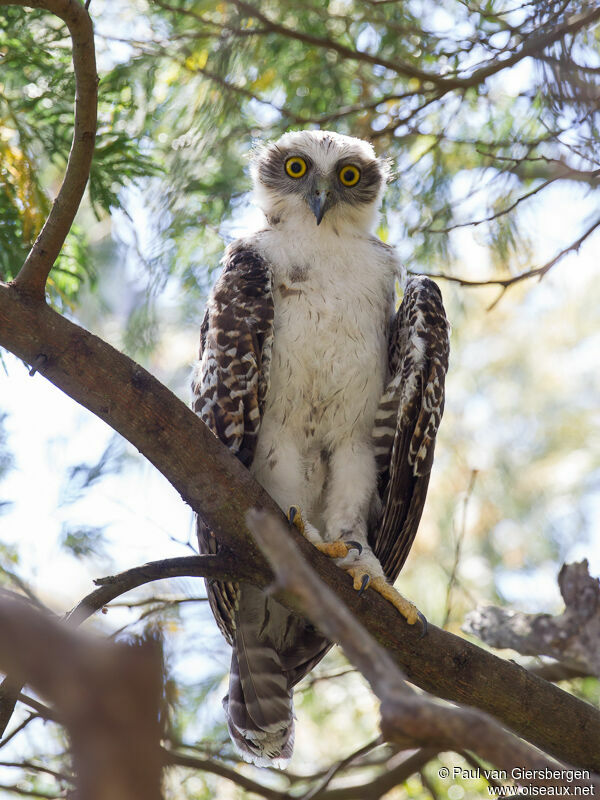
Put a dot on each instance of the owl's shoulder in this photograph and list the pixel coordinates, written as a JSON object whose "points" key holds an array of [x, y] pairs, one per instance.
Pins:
{"points": [[389, 256], [245, 271]]}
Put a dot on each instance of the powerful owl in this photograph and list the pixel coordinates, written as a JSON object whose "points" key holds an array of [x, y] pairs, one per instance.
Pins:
{"points": [[330, 397]]}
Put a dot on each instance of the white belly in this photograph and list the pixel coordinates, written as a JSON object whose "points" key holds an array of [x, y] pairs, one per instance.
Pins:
{"points": [[329, 363], [329, 359]]}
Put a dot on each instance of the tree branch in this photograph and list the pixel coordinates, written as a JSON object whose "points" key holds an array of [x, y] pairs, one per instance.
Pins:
{"points": [[532, 45], [504, 283], [406, 718], [572, 637], [108, 695], [556, 672], [216, 485], [394, 775], [400, 68], [34, 272], [497, 214], [223, 566], [372, 790], [217, 768]]}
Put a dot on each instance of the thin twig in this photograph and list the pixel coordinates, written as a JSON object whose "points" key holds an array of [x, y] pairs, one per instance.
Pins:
{"points": [[19, 728], [20, 790], [428, 785], [474, 762], [217, 768], [310, 681], [557, 672], [29, 765], [504, 283], [221, 566], [165, 601], [497, 214], [340, 765], [458, 546], [528, 46]]}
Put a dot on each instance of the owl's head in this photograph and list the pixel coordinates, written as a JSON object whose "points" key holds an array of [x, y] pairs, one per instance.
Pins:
{"points": [[321, 176]]}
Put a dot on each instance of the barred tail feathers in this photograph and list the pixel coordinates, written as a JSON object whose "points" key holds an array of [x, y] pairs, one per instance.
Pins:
{"points": [[259, 705]]}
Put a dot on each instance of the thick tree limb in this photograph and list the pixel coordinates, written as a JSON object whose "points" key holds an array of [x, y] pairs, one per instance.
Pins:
{"points": [[573, 637], [215, 484], [406, 717], [34, 273], [108, 695]]}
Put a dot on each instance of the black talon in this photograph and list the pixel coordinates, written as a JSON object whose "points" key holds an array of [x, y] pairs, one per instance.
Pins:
{"points": [[355, 546], [424, 624], [37, 364], [364, 584], [292, 514]]}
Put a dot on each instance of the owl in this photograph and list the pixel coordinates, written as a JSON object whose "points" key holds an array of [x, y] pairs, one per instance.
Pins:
{"points": [[330, 396]]}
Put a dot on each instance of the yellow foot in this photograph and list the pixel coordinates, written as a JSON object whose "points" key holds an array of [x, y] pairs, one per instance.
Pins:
{"points": [[338, 549], [409, 611]]}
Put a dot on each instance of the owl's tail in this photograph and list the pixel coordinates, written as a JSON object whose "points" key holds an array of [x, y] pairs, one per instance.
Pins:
{"points": [[259, 705]]}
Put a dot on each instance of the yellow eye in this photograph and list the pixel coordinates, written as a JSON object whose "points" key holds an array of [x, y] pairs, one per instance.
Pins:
{"points": [[349, 175], [295, 167]]}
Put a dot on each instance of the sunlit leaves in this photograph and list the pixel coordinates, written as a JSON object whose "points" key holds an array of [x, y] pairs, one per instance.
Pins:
{"points": [[36, 128]]}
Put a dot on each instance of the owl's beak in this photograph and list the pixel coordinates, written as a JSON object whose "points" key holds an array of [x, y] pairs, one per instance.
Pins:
{"points": [[319, 200]]}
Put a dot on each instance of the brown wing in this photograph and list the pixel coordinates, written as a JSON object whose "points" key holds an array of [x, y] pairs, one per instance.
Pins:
{"points": [[408, 419], [235, 352], [231, 380]]}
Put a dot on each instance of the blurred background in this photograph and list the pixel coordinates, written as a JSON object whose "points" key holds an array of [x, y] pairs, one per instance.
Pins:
{"points": [[489, 112]]}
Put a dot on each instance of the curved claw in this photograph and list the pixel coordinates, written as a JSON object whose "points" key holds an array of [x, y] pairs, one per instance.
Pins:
{"points": [[352, 545], [363, 585], [292, 512], [424, 624]]}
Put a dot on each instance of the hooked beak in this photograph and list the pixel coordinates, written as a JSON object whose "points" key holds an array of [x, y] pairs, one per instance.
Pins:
{"points": [[319, 200]]}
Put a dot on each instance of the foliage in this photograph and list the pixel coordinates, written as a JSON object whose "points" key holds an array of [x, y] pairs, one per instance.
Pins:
{"points": [[469, 138], [36, 108]]}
